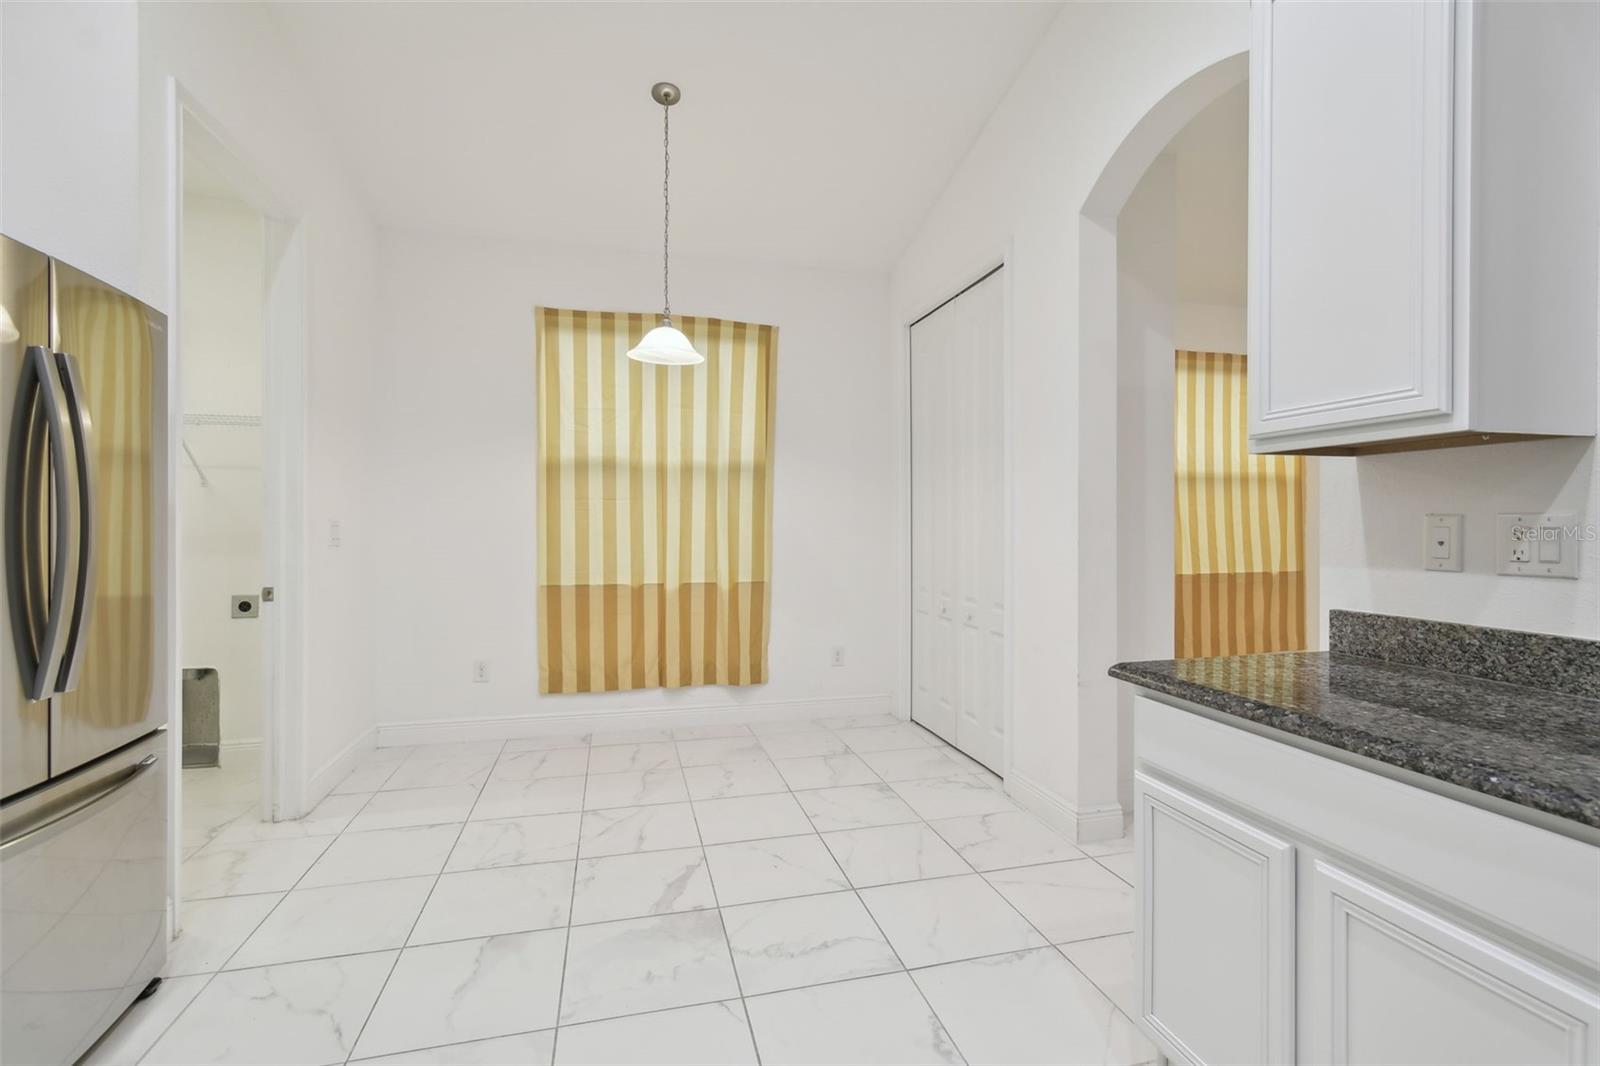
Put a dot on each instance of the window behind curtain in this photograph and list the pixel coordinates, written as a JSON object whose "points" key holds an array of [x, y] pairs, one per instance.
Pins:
{"points": [[655, 505], [1239, 533]]}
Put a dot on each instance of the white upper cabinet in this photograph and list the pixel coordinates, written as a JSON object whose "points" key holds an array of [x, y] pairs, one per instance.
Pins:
{"points": [[1425, 197]]}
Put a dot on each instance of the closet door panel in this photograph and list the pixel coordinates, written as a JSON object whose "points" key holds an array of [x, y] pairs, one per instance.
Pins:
{"points": [[932, 631], [946, 541], [958, 609], [980, 730], [923, 706]]}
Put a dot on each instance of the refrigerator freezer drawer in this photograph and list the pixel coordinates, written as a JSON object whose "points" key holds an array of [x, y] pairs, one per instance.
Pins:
{"points": [[83, 887]]}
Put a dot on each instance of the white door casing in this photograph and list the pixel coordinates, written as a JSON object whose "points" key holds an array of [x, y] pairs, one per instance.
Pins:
{"points": [[191, 130]]}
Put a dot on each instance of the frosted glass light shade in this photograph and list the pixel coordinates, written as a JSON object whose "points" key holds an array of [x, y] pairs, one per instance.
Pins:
{"points": [[666, 346]]}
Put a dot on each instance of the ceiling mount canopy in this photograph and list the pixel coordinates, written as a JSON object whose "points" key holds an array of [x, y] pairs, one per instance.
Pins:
{"points": [[666, 345]]}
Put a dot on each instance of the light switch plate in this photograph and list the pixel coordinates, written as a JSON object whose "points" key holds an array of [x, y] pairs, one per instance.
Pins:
{"points": [[1537, 545], [1442, 542]]}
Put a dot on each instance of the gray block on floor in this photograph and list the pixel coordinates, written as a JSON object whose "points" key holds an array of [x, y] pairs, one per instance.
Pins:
{"points": [[202, 716]]}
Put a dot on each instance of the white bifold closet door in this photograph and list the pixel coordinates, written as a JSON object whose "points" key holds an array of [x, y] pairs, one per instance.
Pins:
{"points": [[958, 615]]}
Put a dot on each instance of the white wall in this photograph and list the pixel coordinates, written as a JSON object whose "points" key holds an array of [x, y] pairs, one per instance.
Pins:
{"points": [[1212, 156], [1149, 271], [1097, 71], [1181, 285], [1372, 539], [1202, 327], [69, 134], [454, 500], [219, 546]]}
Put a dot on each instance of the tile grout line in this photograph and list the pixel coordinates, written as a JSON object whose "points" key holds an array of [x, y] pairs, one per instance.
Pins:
{"points": [[877, 925], [401, 950], [1049, 943], [907, 971], [572, 904], [856, 892], [911, 970], [212, 975], [847, 888], [722, 923], [918, 819]]}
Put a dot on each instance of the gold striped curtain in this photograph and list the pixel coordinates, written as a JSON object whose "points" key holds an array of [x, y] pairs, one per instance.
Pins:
{"points": [[655, 505], [1240, 521]]}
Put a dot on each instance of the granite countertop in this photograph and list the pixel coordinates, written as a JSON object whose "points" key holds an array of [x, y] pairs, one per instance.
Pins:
{"points": [[1535, 747]]}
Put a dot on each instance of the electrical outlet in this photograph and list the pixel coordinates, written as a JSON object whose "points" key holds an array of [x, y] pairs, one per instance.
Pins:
{"points": [[837, 658], [480, 671], [335, 536], [1538, 545]]}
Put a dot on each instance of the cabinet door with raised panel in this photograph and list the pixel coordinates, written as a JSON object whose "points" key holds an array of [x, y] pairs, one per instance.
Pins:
{"points": [[1389, 981], [1215, 930], [1351, 199]]}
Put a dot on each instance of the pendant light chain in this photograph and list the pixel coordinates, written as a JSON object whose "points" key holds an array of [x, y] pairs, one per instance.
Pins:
{"points": [[665, 344], [666, 213]]}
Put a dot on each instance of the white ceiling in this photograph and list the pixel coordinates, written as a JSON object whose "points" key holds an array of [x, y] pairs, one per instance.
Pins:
{"points": [[811, 133]]}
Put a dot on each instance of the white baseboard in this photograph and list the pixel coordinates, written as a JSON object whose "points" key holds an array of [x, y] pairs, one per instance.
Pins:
{"points": [[1081, 825], [514, 727], [236, 752], [338, 768], [1101, 823]]}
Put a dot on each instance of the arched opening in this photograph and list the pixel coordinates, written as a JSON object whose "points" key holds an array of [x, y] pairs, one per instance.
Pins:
{"points": [[1139, 305]]}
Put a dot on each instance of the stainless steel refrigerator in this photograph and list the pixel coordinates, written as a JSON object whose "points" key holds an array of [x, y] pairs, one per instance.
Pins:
{"points": [[83, 744]]}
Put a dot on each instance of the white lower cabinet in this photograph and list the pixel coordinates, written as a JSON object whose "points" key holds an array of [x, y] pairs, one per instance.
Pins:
{"points": [[1217, 930], [1389, 981], [1261, 941]]}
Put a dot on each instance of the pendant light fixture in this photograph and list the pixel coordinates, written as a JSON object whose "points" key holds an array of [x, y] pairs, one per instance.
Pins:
{"points": [[666, 345]]}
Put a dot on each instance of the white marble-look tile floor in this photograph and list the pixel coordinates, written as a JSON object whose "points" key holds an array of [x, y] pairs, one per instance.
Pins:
{"points": [[832, 891]]}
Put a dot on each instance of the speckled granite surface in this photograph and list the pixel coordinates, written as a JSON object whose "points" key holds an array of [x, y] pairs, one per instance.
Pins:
{"points": [[1560, 664], [1533, 747]]}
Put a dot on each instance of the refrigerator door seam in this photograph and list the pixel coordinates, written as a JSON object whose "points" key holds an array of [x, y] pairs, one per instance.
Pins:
{"points": [[83, 599]]}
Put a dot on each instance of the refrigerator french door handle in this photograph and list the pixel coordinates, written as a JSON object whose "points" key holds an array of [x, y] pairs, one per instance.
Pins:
{"points": [[37, 652], [60, 821], [21, 509], [83, 599]]}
